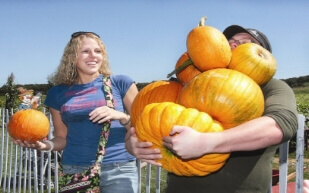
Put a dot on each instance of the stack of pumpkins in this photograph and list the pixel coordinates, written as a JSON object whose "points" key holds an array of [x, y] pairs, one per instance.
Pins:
{"points": [[217, 89]]}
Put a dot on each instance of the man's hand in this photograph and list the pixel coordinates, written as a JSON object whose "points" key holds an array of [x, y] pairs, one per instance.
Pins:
{"points": [[142, 150]]}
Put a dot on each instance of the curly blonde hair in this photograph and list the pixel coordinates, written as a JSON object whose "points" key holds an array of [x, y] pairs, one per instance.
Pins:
{"points": [[67, 71]]}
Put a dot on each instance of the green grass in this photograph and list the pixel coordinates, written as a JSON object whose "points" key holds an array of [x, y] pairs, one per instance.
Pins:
{"points": [[301, 90], [153, 179]]}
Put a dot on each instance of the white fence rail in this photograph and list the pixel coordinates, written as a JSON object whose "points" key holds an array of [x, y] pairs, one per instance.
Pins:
{"points": [[28, 170]]}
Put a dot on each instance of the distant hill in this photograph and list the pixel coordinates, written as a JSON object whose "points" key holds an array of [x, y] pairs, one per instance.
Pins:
{"points": [[297, 82], [301, 81]]}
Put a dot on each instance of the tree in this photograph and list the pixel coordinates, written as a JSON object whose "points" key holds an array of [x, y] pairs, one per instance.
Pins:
{"points": [[11, 93]]}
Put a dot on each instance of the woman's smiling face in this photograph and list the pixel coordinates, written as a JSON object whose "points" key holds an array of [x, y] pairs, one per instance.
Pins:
{"points": [[89, 58]]}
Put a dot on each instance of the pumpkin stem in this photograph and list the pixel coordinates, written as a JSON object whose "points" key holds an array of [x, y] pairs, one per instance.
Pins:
{"points": [[181, 67], [202, 21]]}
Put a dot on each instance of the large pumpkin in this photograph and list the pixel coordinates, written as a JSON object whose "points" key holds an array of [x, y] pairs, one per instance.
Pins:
{"points": [[158, 119], [255, 61], [185, 73], [29, 125], [208, 48], [228, 96], [158, 91]]}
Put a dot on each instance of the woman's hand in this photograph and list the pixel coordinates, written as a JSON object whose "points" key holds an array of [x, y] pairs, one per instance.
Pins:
{"points": [[105, 113], [142, 150], [38, 145]]}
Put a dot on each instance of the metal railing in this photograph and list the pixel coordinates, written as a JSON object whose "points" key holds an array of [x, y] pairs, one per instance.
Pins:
{"points": [[284, 156], [28, 170], [24, 169]]}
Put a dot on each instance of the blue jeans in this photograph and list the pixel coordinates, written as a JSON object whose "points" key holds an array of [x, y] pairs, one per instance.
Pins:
{"points": [[115, 177]]}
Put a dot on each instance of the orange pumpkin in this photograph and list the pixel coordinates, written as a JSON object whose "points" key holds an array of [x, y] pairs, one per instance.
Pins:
{"points": [[228, 96], [158, 119], [255, 61], [158, 91], [29, 125], [186, 72], [208, 48]]}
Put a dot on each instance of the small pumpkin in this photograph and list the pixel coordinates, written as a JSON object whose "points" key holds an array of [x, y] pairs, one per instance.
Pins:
{"points": [[208, 48], [157, 121], [29, 125], [158, 91], [255, 61], [227, 95], [185, 69]]}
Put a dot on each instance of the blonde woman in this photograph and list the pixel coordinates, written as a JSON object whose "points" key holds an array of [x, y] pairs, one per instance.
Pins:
{"points": [[78, 107]]}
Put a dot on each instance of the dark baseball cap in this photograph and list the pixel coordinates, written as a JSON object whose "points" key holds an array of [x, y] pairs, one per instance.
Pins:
{"points": [[259, 36]]}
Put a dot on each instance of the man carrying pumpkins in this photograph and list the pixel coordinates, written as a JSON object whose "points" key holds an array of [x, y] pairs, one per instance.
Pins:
{"points": [[252, 144]]}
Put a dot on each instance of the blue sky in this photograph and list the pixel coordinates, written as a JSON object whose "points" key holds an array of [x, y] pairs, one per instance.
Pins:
{"points": [[144, 39]]}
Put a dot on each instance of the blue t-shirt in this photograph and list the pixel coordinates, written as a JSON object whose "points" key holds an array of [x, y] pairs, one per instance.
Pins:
{"points": [[75, 103]]}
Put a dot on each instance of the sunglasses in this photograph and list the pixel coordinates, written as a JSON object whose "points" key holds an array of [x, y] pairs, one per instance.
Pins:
{"points": [[241, 41], [76, 34]]}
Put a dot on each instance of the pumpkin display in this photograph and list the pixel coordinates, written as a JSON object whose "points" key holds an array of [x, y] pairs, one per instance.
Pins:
{"points": [[157, 121], [220, 89], [208, 48], [158, 91], [227, 95], [28, 125], [255, 61], [185, 69]]}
